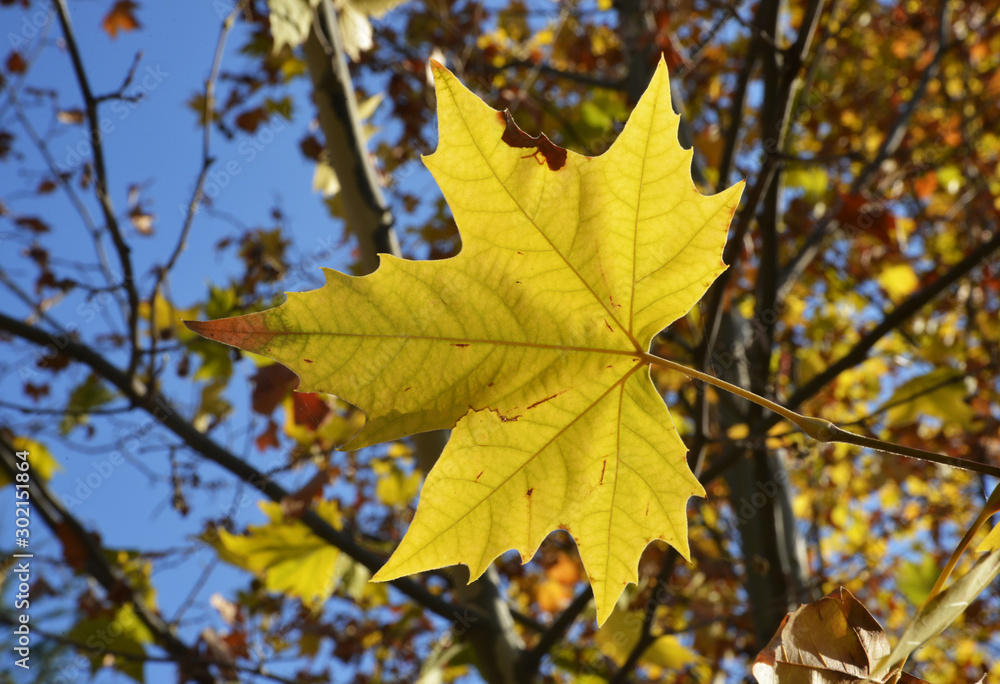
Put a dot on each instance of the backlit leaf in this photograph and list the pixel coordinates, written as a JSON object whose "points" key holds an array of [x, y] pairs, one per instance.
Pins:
{"points": [[530, 343], [287, 555]]}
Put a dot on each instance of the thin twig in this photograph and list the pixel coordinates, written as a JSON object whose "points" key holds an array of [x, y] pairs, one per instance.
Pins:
{"points": [[206, 162], [820, 429], [551, 636], [101, 185], [916, 301]]}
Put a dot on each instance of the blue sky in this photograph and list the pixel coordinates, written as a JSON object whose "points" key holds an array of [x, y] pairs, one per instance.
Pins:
{"points": [[154, 143]]}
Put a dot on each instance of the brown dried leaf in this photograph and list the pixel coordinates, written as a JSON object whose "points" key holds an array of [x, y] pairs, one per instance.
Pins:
{"points": [[6, 144], [269, 438], [270, 385], [831, 641], [32, 223], [74, 550], [16, 63], [294, 505], [70, 116], [121, 17], [36, 392], [142, 221], [251, 120]]}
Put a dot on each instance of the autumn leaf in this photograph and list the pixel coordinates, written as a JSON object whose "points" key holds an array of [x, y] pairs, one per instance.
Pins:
{"points": [[121, 635], [287, 555], [15, 63], [531, 343], [121, 17], [834, 640], [43, 464]]}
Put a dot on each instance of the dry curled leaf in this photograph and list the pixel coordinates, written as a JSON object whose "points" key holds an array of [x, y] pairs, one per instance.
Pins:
{"points": [[834, 640]]}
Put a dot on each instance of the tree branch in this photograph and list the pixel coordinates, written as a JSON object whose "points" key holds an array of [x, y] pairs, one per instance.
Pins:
{"points": [[159, 408], [56, 517], [916, 301], [101, 185]]}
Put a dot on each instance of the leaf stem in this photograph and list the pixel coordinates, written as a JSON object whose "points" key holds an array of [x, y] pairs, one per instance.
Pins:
{"points": [[820, 429]]}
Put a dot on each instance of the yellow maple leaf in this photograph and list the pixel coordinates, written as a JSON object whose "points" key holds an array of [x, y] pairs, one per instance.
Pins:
{"points": [[531, 343]]}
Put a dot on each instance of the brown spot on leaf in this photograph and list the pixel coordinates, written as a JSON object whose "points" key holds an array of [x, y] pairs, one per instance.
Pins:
{"points": [[529, 492], [308, 360], [604, 466], [647, 508], [542, 401], [502, 417], [480, 475], [460, 344], [553, 155], [608, 324], [490, 385], [407, 389]]}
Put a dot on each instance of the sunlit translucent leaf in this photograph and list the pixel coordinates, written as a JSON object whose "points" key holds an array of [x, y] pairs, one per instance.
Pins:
{"points": [[529, 342], [121, 632], [916, 579], [898, 281], [395, 487], [92, 393], [290, 21], [940, 393], [40, 460], [288, 556]]}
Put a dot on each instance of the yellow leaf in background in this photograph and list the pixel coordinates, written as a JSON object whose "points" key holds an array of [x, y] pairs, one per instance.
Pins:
{"points": [[812, 179], [940, 393], [530, 343], [42, 464], [394, 486], [120, 634], [992, 541], [620, 634], [166, 319], [915, 580], [325, 179], [738, 432], [290, 21], [898, 281], [288, 556]]}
